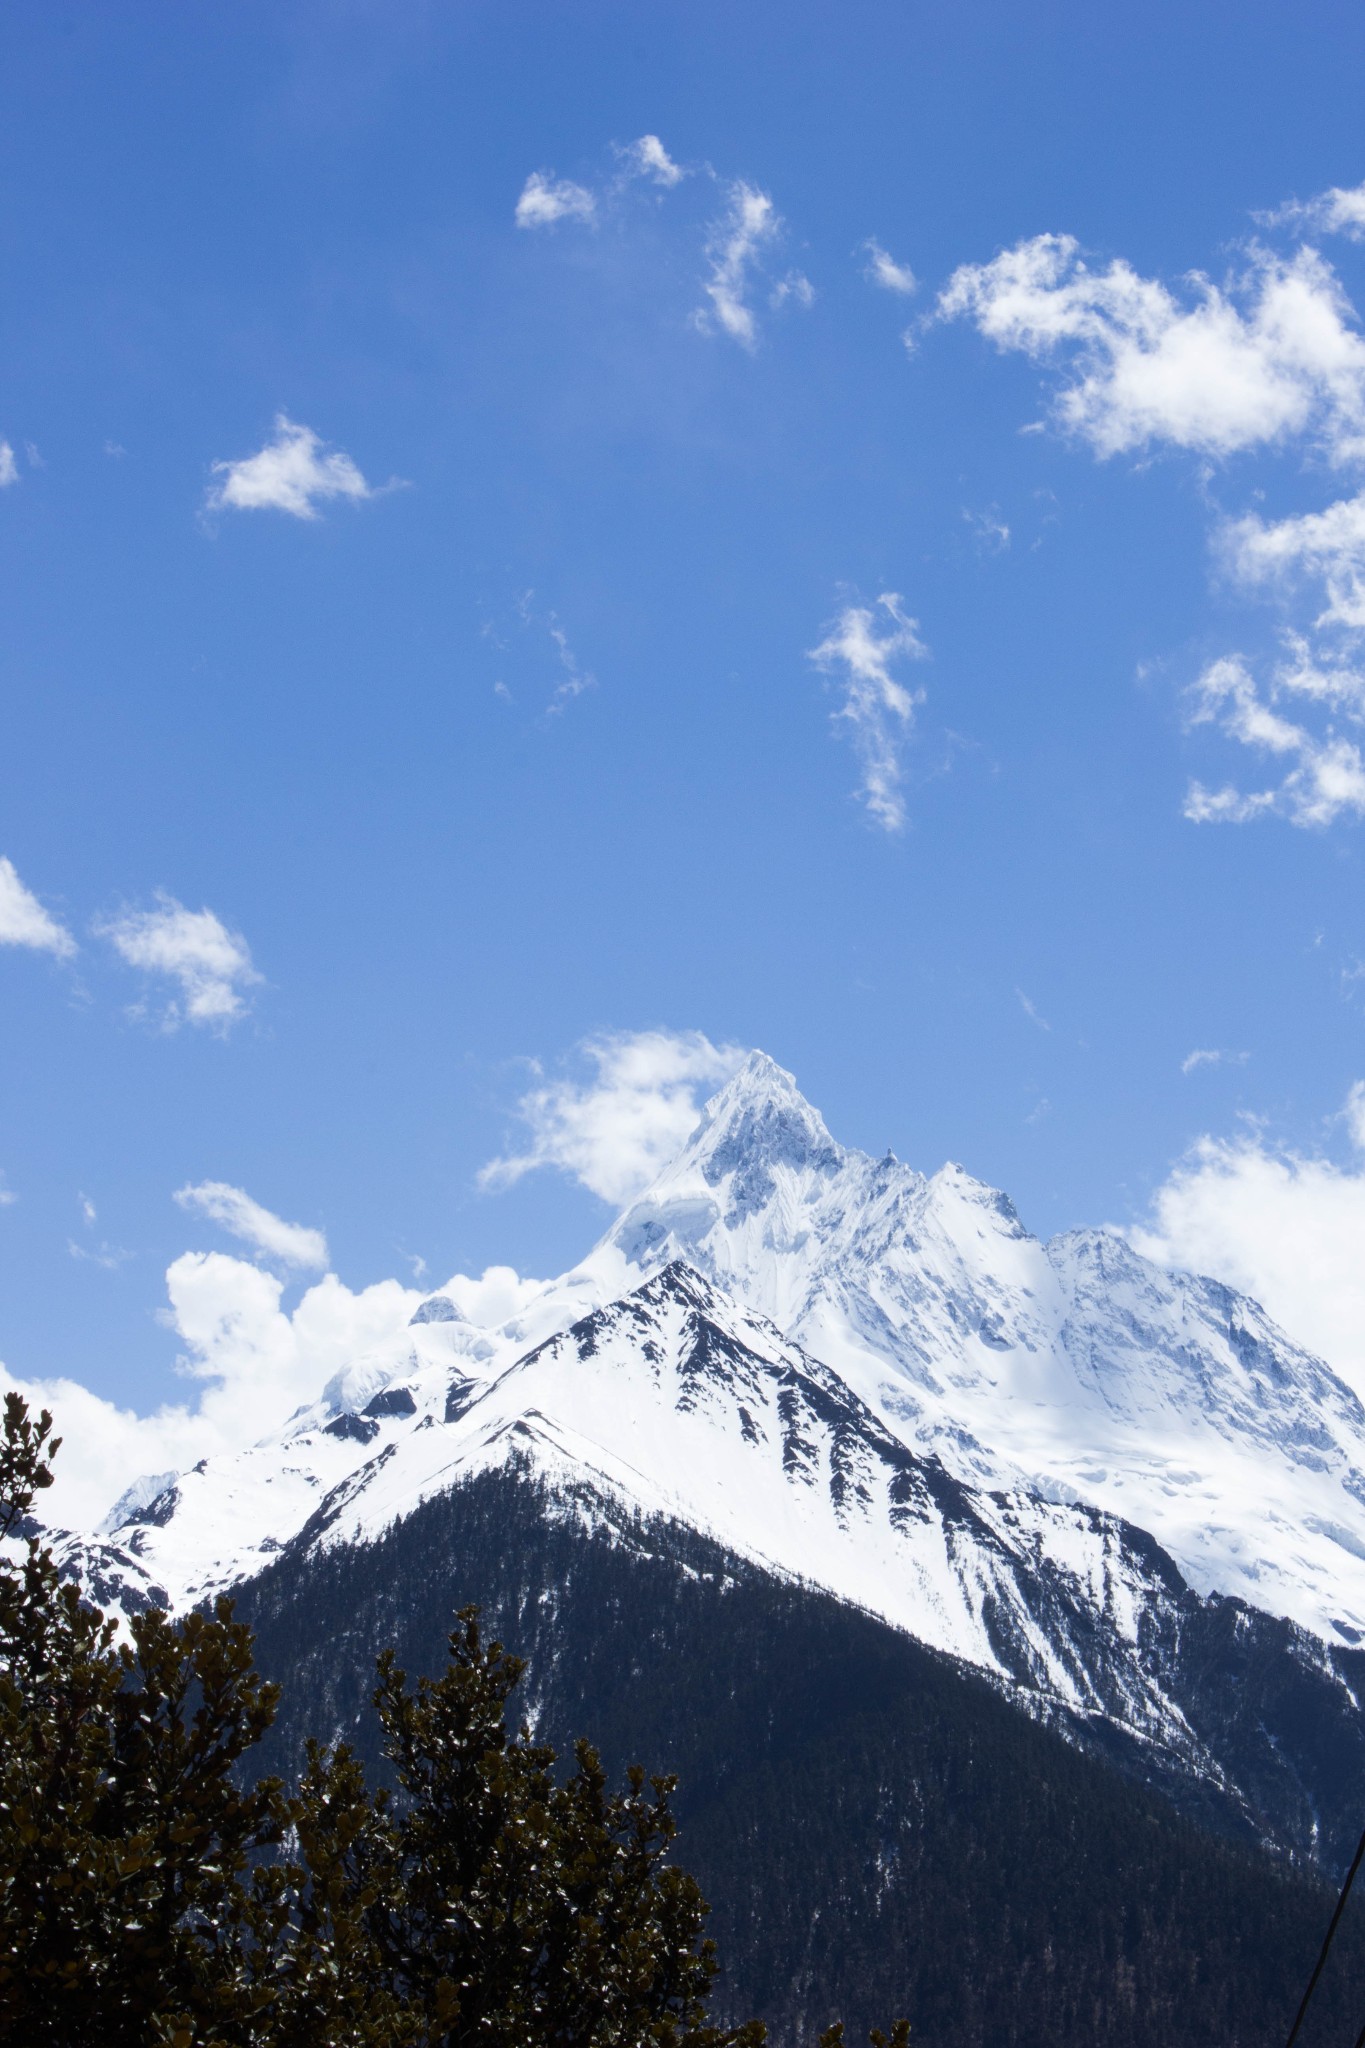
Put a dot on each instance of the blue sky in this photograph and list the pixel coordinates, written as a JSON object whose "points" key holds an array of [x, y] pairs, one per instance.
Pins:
{"points": [[476, 587]]}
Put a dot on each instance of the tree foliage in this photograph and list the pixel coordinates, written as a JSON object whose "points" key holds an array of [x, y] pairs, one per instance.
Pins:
{"points": [[150, 1894]]}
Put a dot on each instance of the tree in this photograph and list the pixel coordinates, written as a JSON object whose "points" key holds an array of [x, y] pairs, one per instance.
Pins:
{"points": [[148, 1894]]}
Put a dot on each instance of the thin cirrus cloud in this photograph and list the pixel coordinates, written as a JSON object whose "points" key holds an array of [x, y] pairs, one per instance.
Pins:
{"points": [[24, 921], [208, 966], [9, 468], [290, 1244], [613, 1130], [1211, 1056], [294, 473], [861, 651], [882, 269]]}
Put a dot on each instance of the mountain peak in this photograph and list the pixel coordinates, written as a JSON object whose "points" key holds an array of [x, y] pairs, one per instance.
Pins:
{"points": [[760, 1120]]}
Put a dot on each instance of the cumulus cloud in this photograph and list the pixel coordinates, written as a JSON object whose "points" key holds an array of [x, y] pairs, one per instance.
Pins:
{"points": [[293, 473], [615, 1130], [1280, 1225], [545, 200], [735, 245], [877, 710], [23, 920], [292, 1244], [194, 949], [883, 270], [1324, 777], [647, 158], [1272, 355], [9, 468], [254, 1361]]}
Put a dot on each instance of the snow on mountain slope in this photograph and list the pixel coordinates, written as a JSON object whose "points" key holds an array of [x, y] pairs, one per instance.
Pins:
{"points": [[1074, 1372], [1074, 1368], [677, 1402]]}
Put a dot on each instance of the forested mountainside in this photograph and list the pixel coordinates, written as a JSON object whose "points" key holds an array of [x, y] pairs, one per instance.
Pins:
{"points": [[877, 1827]]}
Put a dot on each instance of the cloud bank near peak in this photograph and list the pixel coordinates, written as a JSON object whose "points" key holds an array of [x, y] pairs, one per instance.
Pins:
{"points": [[615, 1129], [1281, 1225]]}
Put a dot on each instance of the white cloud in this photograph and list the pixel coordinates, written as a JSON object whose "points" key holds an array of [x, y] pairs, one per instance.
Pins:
{"points": [[1211, 1056], [1327, 775], [1340, 211], [647, 158], [23, 920], [884, 270], [9, 468], [1031, 1011], [615, 1131], [992, 534], [878, 711], [293, 1244], [1274, 354], [293, 473], [546, 200], [734, 244], [7, 1195], [576, 679], [255, 1362], [194, 948], [1328, 546], [1283, 1227]]}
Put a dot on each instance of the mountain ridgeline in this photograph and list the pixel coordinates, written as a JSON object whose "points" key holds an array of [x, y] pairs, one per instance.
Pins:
{"points": [[999, 1603]]}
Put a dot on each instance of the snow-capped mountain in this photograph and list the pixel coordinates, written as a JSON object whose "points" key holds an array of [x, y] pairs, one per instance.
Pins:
{"points": [[1073, 1368], [863, 1379]]}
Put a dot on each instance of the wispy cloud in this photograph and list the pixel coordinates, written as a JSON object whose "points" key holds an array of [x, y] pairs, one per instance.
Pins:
{"points": [[1324, 778], [736, 244], [23, 920], [877, 712], [989, 530], [210, 964], [291, 1244], [576, 680], [647, 158], [9, 468], [1339, 211], [293, 473], [615, 1129], [1211, 1056], [1327, 548], [882, 269], [1270, 355], [546, 200], [1031, 1011]]}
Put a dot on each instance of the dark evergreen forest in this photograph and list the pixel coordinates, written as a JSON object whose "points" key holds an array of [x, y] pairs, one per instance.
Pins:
{"points": [[878, 1830]]}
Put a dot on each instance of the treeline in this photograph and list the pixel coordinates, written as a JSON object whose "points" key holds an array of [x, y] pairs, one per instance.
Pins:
{"points": [[153, 1892], [879, 1829]]}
